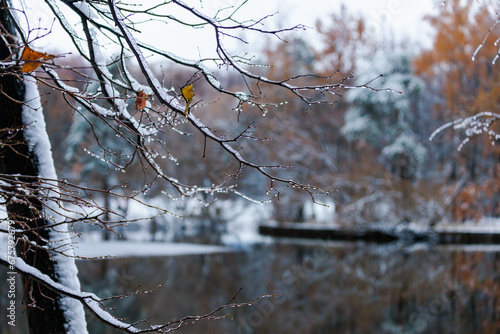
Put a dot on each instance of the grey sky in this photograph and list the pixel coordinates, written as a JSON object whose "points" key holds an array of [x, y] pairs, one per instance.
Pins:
{"points": [[403, 17]]}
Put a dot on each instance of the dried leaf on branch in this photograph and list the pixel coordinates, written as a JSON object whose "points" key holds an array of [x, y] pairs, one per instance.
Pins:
{"points": [[140, 101], [32, 58]]}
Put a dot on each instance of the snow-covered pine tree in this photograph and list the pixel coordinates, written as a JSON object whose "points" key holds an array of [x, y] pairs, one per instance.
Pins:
{"points": [[383, 120]]}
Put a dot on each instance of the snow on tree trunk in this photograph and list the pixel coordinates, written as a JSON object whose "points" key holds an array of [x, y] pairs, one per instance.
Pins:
{"points": [[65, 269], [26, 155]]}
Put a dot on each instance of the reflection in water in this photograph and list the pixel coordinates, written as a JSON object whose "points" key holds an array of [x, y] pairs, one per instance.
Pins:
{"points": [[321, 287]]}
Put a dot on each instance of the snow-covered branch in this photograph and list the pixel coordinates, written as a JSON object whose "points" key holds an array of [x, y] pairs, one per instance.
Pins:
{"points": [[481, 123], [96, 305], [120, 91]]}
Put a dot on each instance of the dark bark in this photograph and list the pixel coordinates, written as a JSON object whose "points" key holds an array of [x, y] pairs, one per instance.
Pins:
{"points": [[43, 308], [107, 204]]}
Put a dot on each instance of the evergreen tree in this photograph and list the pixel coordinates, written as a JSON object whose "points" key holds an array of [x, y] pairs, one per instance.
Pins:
{"points": [[383, 119]]}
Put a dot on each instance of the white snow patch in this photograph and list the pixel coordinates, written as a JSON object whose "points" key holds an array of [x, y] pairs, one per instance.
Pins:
{"points": [[484, 225], [35, 132], [133, 249], [65, 267]]}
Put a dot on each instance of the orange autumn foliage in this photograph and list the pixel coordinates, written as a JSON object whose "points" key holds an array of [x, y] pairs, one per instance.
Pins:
{"points": [[468, 86], [32, 58], [467, 82]]}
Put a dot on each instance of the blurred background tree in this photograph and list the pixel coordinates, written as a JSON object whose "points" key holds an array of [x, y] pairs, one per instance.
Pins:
{"points": [[467, 84]]}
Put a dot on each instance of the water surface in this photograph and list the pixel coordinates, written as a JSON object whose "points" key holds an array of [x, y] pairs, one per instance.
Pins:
{"points": [[321, 287]]}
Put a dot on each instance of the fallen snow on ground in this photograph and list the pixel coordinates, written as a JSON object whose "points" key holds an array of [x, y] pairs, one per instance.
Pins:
{"points": [[484, 225], [132, 249]]}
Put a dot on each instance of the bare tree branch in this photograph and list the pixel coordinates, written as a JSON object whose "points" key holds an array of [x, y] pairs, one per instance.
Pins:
{"points": [[95, 304]]}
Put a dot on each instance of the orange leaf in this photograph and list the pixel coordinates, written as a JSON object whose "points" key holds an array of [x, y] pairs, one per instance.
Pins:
{"points": [[31, 59], [140, 102]]}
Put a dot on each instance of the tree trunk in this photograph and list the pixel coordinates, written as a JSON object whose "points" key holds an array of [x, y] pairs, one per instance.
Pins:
{"points": [[46, 310]]}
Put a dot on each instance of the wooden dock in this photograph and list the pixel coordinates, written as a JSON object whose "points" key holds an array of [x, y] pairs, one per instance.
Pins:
{"points": [[378, 235]]}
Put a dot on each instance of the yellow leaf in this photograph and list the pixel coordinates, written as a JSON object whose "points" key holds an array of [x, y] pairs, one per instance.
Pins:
{"points": [[31, 59], [187, 94]]}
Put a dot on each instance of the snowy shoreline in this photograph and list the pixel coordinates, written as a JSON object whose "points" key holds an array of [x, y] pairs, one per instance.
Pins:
{"points": [[140, 249]]}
